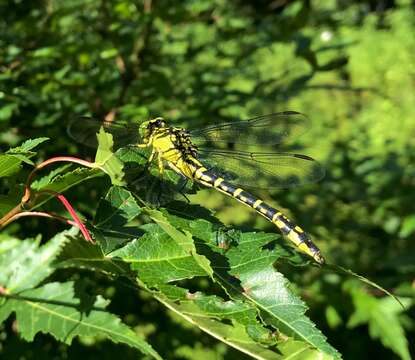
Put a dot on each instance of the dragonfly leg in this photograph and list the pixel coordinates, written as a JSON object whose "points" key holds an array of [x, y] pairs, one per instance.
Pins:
{"points": [[185, 197], [153, 152], [160, 163], [182, 188], [151, 157], [183, 183]]}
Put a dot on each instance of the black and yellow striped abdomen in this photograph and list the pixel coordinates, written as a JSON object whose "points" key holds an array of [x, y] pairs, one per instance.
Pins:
{"points": [[293, 232]]}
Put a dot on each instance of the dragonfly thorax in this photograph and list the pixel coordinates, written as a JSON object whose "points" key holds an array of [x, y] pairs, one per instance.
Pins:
{"points": [[183, 142], [169, 140]]}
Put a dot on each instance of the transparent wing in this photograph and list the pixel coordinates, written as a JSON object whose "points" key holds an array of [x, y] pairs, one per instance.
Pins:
{"points": [[263, 130], [262, 170], [84, 130]]}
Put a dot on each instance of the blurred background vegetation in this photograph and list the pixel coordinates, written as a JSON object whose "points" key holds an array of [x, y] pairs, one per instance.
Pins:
{"points": [[348, 65]]}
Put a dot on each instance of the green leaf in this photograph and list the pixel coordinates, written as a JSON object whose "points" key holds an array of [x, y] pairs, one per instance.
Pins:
{"points": [[45, 52], [63, 311], [269, 292], [255, 281], [158, 259], [333, 318], [10, 162], [43, 181], [8, 243], [109, 53], [164, 254], [23, 152], [382, 317], [60, 183], [114, 212], [29, 145], [80, 254], [203, 311], [26, 264], [408, 226], [9, 165], [106, 159], [11, 199], [117, 209], [183, 239]]}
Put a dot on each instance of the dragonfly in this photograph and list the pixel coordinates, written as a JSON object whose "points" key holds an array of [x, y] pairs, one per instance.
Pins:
{"points": [[209, 157]]}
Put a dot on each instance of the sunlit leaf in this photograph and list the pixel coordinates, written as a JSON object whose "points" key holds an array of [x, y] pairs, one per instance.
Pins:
{"points": [[64, 311], [106, 160], [27, 264]]}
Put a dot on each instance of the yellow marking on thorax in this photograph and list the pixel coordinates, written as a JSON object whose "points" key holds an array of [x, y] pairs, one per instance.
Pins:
{"points": [[162, 143], [182, 167]]}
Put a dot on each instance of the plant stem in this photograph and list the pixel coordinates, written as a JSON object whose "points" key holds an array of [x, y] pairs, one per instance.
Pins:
{"points": [[18, 212]]}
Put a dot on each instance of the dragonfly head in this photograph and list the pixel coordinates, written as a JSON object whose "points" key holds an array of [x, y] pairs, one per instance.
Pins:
{"points": [[148, 128]]}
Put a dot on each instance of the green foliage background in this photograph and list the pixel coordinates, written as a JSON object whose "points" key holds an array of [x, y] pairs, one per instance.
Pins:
{"points": [[348, 65]]}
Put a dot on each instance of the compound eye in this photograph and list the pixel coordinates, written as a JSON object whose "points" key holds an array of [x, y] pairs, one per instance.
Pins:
{"points": [[158, 123]]}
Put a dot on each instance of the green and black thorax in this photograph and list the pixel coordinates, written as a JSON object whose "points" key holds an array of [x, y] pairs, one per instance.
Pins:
{"points": [[168, 138]]}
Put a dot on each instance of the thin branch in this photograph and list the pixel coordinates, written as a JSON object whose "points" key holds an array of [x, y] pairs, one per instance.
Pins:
{"points": [[17, 211], [27, 195], [40, 214], [73, 214]]}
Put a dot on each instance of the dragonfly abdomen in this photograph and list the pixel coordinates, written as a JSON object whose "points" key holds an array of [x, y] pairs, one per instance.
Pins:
{"points": [[292, 231]]}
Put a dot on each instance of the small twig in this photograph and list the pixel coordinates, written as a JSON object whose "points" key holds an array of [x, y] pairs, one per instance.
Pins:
{"points": [[27, 195], [5, 219], [41, 214], [72, 212], [18, 210]]}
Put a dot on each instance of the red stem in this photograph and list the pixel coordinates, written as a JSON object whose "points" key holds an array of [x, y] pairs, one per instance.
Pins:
{"points": [[17, 211], [27, 194], [72, 212], [42, 214]]}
